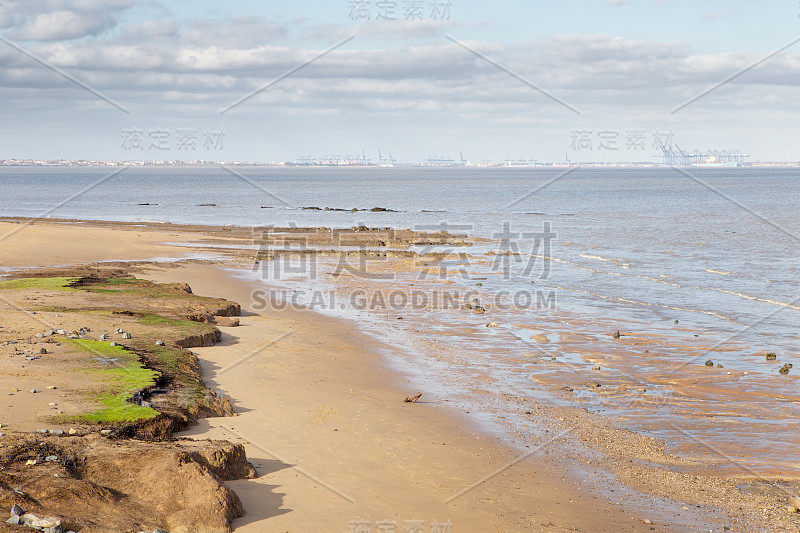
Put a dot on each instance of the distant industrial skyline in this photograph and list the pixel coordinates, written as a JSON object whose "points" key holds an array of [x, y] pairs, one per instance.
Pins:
{"points": [[580, 80]]}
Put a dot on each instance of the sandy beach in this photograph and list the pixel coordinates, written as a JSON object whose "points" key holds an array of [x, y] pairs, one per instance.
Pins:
{"points": [[321, 415]]}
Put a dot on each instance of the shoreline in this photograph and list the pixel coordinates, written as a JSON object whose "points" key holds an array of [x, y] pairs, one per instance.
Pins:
{"points": [[384, 408]]}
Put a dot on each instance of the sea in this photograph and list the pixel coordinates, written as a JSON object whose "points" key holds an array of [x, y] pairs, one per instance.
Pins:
{"points": [[697, 269]]}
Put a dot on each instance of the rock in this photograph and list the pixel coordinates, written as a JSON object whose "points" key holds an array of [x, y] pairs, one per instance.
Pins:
{"points": [[39, 336], [593, 385], [492, 325], [567, 389], [709, 363], [14, 520], [51, 387], [771, 356], [126, 335], [30, 462], [596, 367], [785, 368], [479, 309], [617, 334], [676, 321], [719, 365], [31, 520], [33, 391], [49, 333], [794, 504], [160, 343], [105, 432], [103, 337], [119, 330], [114, 343], [41, 431], [56, 431], [73, 431], [648, 522], [479, 284], [43, 351], [61, 332], [16, 510], [51, 458]]}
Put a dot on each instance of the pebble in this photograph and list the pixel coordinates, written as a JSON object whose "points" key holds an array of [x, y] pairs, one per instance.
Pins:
{"points": [[56, 431], [41, 431], [492, 325], [103, 337], [61, 332], [771, 357], [39, 336], [593, 385], [596, 367], [51, 458], [105, 432], [33, 391], [43, 351], [51, 404], [160, 343], [709, 363], [52, 387], [73, 431], [126, 335], [617, 334], [114, 344]]}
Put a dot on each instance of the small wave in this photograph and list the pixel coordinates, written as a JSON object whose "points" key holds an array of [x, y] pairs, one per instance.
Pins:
{"points": [[148, 221], [754, 298], [720, 272], [659, 280], [619, 262]]}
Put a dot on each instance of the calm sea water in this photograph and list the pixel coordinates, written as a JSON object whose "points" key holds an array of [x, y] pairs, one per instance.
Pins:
{"points": [[717, 251]]}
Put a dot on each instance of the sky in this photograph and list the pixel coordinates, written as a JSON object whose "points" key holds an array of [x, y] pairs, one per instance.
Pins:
{"points": [[584, 80]]}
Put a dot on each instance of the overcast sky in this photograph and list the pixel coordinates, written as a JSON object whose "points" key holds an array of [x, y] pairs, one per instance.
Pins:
{"points": [[521, 79]]}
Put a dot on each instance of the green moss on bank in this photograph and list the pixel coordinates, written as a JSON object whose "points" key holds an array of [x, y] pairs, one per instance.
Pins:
{"points": [[48, 284]]}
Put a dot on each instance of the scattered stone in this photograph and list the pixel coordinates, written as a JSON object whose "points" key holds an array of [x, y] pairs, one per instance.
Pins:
{"points": [[709, 363], [51, 404], [105, 432], [49, 333], [648, 522], [114, 343], [51, 387], [16, 510], [492, 325], [160, 343], [33, 391], [103, 337], [719, 365], [617, 334], [45, 522], [51, 458], [126, 335], [785, 368], [39, 336], [14, 520], [676, 321], [593, 385], [794, 504], [56, 431], [119, 330], [43, 351], [61, 332], [73, 431], [596, 367], [771, 356], [479, 309], [30, 462], [567, 389], [479, 284], [41, 431]]}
